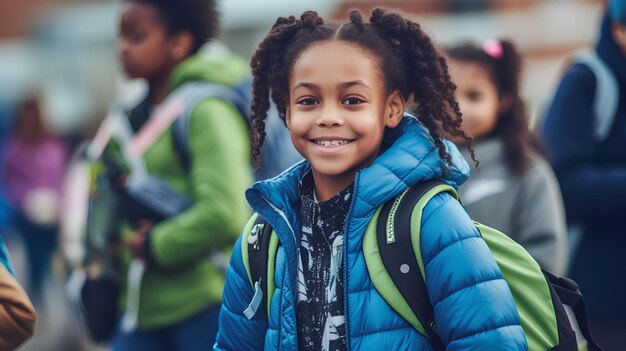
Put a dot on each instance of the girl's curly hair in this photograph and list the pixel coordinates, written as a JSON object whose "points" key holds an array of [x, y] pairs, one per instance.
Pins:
{"points": [[406, 57]]}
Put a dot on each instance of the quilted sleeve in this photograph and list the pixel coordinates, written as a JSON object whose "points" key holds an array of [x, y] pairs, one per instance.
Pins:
{"points": [[236, 332], [473, 305]]}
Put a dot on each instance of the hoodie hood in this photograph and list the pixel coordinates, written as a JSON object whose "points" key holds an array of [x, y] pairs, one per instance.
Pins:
{"points": [[213, 65], [609, 51]]}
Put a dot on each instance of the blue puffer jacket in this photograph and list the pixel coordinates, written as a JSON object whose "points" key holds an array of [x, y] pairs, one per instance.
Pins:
{"points": [[474, 308]]}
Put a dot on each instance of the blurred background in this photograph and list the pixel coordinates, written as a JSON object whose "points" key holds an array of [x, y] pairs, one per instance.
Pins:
{"points": [[62, 54]]}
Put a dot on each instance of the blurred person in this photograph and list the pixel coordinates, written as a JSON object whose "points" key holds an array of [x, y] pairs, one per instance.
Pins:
{"points": [[17, 314], [172, 277], [591, 169], [35, 166], [515, 190]]}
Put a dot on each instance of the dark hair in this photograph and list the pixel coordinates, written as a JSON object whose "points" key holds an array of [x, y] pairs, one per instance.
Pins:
{"points": [[198, 17], [406, 57], [504, 69], [29, 124]]}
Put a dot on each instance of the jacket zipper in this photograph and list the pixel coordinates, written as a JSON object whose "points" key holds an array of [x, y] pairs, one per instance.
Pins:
{"points": [[345, 262], [283, 216]]}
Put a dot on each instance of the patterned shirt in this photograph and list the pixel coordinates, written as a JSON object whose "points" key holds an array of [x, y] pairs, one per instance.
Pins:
{"points": [[320, 303]]}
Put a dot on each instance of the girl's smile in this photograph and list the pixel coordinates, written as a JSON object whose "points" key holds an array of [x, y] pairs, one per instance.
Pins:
{"points": [[331, 144], [337, 112]]}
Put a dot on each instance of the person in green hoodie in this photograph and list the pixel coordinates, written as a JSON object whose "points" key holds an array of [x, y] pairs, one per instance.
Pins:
{"points": [[172, 291]]}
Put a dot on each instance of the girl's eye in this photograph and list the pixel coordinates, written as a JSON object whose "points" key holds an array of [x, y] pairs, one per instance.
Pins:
{"points": [[474, 96], [352, 101], [137, 36], [132, 35], [306, 101]]}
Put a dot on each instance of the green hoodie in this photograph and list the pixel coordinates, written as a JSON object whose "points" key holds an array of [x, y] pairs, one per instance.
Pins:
{"points": [[179, 280]]}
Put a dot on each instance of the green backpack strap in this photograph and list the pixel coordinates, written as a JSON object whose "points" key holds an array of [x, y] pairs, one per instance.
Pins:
{"points": [[391, 248], [259, 247]]}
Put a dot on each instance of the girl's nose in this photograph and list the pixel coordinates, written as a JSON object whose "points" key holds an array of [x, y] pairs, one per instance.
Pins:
{"points": [[330, 117], [122, 47]]}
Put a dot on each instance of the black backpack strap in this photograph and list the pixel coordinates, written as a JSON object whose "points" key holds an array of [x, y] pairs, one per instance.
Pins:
{"points": [[258, 248], [569, 294], [398, 256]]}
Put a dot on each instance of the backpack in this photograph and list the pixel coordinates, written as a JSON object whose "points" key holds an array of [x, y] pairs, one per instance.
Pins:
{"points": [[604, 108], [144, 197], [194, 92], [391, 248], [277, 151], [150, 197], [606, 96]]}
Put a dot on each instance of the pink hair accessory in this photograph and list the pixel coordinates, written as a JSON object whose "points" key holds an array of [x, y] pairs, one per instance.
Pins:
{"points": [[493, 48]]}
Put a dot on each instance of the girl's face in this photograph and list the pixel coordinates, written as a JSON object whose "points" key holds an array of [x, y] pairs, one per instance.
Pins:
{"points": [[477, 96], [144, 44], [337, 112]]}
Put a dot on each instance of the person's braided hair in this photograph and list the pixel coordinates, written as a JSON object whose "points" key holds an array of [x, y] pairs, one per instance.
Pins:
{"points": [[405, 56]]}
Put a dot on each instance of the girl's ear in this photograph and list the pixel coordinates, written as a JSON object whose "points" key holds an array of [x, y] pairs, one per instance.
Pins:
{"points": [[182, 44], [288, 117], [394, 109], [506, 102]]}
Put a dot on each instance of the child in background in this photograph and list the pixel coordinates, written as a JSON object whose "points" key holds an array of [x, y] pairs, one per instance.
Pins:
{"points": [[174, 304], [591, 169], [515, 190], [342, 91], [36, 162]]}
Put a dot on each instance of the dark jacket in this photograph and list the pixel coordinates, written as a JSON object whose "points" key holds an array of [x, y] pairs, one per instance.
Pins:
{"points": [[593, 180]]}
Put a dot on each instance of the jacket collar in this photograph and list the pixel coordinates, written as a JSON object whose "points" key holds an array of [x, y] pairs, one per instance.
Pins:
{"points": [[410, 156]]}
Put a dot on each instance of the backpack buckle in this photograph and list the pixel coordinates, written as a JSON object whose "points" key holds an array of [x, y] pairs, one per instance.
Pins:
{"points": [[568, 283], [257, 298], [433, 326], [254, 238]]}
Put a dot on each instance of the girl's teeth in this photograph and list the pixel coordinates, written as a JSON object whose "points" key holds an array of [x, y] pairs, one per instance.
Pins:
{"points": [[331, 142]]}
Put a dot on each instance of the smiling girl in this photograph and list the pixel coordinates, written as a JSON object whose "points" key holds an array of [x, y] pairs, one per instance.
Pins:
{"points": [[342, 91]]}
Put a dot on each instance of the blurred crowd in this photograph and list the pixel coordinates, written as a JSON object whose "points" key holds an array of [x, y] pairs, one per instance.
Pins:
{"points": [[556, 186]]}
